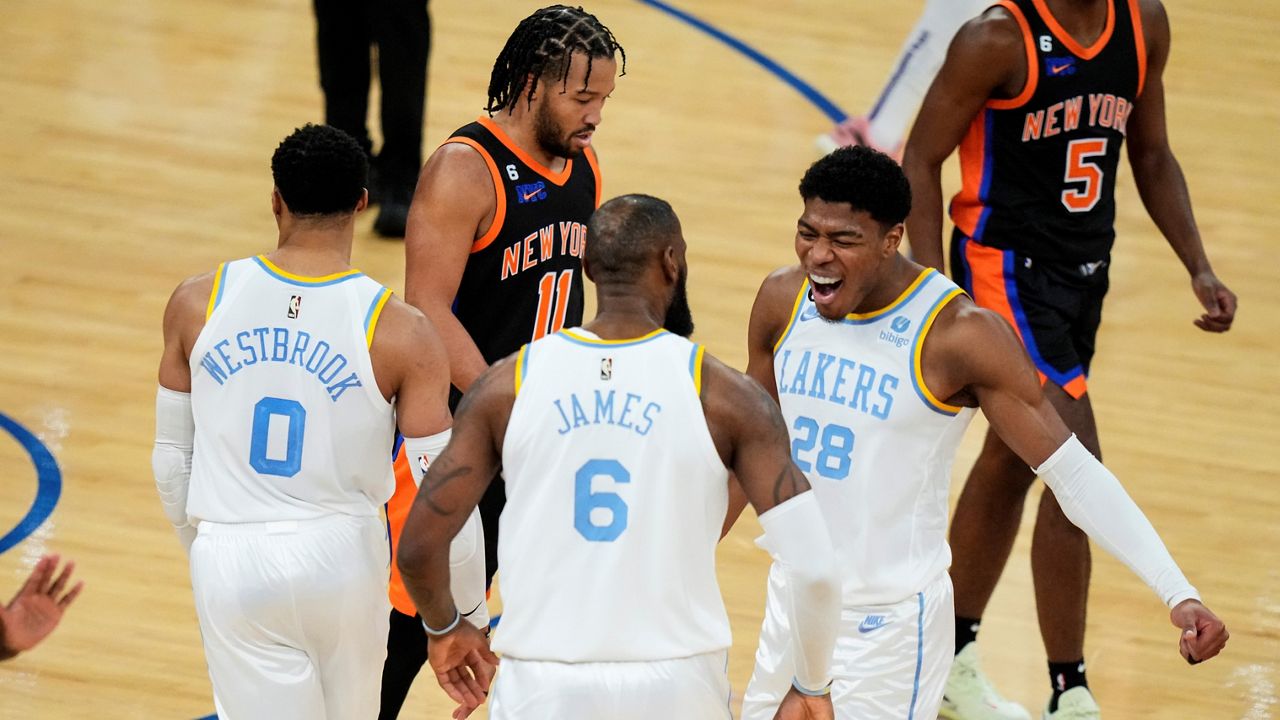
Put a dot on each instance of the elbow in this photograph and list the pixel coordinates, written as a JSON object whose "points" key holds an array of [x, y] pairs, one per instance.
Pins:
{"points": [[819, 579], [411, 556]]}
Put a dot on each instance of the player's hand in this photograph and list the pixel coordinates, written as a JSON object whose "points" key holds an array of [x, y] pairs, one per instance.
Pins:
{"points": [[37, 608], [1203, 634], [464, 666], [798, 706], [1218, 301]]}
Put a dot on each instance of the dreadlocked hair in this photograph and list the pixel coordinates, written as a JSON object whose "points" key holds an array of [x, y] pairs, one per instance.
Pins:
{"points": [[543, 44]]}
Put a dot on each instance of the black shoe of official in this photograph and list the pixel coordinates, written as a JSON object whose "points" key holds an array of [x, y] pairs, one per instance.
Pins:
{"points": [[394, 212]]}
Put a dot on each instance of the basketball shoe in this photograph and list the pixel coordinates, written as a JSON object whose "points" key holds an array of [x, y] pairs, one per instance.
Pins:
{"points": [[970, 696], [1074, 704]]}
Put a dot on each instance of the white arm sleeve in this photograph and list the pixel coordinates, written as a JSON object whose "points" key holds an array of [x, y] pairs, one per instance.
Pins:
{"points": [[171, 459], [1093, 499], [466, 553], [797, 537]]}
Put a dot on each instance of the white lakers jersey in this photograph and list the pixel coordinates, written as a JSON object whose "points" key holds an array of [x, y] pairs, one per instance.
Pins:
{"points": [[875, 443], [290, 424], [615, 500]]}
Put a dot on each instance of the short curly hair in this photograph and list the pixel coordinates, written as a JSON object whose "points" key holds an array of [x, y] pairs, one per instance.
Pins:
{"points": [[867, 179], [320, 170]]}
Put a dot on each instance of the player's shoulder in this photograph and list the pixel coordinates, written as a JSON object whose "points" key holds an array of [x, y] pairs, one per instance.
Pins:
{"points": [[995, 30], [192, 294], [404, 328], [780, 288], [963, 330]]}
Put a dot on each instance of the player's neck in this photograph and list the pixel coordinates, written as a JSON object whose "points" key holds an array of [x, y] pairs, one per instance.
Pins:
{"points": [[314, 251], [624, 314], [897, 278], [519, 126], [1085, 20]]}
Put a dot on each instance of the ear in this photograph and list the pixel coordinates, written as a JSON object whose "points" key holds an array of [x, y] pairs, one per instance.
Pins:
{"points": [[363, 202], [670, 265], [586, 269], [893, 239], [277, 203], [530, 86]]}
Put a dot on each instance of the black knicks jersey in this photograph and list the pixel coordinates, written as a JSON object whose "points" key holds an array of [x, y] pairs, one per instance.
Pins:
{"points": [[1039, 170], [523, 279]]}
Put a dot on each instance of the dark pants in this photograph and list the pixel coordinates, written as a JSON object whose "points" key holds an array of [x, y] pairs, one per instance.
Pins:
{"points": [[346, 31], [406, 641]]}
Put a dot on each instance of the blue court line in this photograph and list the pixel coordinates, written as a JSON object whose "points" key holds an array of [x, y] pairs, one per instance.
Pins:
{"points": [[810, 93], [48, 483]]}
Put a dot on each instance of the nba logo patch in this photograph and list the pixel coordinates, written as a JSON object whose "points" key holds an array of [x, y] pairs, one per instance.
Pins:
{"points": [[423, 463], [295, 306], [606, 368]]}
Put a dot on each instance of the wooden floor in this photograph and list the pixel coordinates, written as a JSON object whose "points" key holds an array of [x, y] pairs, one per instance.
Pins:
{"points": [[134, 147]]}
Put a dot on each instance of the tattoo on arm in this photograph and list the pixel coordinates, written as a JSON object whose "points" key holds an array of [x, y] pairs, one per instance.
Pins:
{"points": [[438, 478], [790, 482]]}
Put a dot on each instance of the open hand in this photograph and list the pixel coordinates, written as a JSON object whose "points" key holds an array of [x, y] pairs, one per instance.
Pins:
{"points": [[37, 608], [1203, 634], [464, 666]]}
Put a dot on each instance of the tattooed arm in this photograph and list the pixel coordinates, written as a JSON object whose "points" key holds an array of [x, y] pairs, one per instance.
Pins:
{"points": [[751, 437], [451, 489]]}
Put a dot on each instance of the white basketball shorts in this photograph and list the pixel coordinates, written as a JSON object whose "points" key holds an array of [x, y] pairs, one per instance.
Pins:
{"points": [[890, 663], [692, 688], [294, 616]]}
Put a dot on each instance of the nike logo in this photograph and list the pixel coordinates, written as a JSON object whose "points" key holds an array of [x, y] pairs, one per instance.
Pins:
{"points": [[809, 313], [1057, 69], [871, 623], [529, 196]]}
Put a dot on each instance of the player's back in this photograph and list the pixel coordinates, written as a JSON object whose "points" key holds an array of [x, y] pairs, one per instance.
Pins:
{"points": [[290, 423], [615, 499]]}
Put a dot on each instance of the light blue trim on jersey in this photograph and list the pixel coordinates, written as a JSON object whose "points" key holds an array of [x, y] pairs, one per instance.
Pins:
{"points": [[915, 689], [304, 283], [886, 312], [590, 342], [373, 306], [915, 381]]}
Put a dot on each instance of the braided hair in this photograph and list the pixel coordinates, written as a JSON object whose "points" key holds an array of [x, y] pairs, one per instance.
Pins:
{"points": [[544, 43]]}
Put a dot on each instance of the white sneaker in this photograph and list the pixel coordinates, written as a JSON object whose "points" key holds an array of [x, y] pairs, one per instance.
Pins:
{"points": [[969, 695], [1075, 704]]}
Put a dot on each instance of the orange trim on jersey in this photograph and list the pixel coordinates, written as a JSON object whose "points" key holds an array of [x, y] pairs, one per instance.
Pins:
{"points": [[595, 170], [1085, 53], [559, 178], [1076, 388], [499, 192], [397, 511], [966, 207], [1033, 64], [1139, 43]]}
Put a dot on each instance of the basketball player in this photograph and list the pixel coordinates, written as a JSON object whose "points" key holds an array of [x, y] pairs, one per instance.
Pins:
{"points": [[282, 380], [1040, 95], [885, 126], [878, 364], [495, 238], [616, 440]]}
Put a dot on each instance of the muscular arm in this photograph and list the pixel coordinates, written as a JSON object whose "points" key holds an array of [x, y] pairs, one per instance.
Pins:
{"points": [[411, 366], [453, 206], [978, 349], [769, 316], [453, 486], [1160, 180], [986, 60]]}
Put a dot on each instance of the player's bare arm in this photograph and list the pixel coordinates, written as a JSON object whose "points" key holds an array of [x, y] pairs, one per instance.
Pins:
{"points": [[1160, 181], [973, 355], [769, 317], [986, 60], [453, 206], [183, 320], [411, 367]]}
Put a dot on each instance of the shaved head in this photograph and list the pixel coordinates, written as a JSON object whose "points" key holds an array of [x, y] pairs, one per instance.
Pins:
{"points": [[625, 234]]}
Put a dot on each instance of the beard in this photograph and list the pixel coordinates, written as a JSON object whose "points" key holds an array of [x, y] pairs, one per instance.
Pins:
{"points": [[679, 318], [550, 135]]}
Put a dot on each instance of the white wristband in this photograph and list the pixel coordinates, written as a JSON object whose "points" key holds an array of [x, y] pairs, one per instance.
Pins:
{"points": [[457, 618]]}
